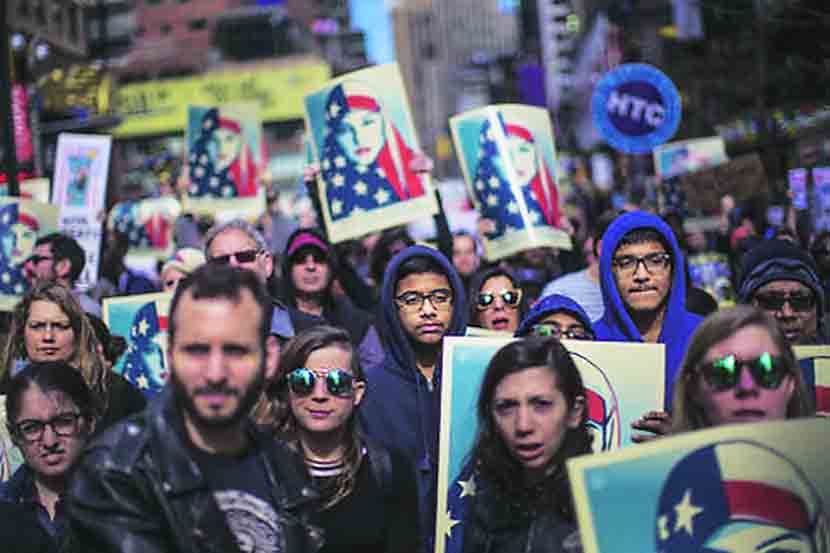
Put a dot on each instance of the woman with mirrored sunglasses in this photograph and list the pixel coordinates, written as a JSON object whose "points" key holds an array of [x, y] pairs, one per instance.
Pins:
{"points": [[496, 300], [738, 368], [368, 492]]}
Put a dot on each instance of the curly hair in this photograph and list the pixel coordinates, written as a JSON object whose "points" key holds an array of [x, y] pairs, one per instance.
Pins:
{"points": [[491, 455], [86, 356]]}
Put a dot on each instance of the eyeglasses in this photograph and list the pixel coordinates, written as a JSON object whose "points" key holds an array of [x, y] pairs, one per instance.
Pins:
{"points": [[775, 302], [573, 332], [724, 374], [245, 256], [511, 298], [35, 259], [440, 299], [65, 424], [653, 262], [339, 382]]}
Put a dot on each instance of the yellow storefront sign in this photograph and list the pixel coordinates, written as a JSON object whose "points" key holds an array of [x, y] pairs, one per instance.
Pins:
{"points": [[160, 107]]}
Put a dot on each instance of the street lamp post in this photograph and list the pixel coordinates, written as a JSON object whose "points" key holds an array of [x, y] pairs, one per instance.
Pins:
{"points": [[10, 151]]}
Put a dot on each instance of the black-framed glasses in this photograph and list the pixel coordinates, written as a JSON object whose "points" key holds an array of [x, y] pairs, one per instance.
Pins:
{"points": [[65, 424], [245, 256], [440, 299], [653, 262], [572, 332], [775, 302], [510, 298], [723, 374], [35, 259], [339, 382]]}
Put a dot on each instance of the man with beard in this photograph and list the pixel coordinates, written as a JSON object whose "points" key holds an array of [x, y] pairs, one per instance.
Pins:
{"points": [[192, 473]]}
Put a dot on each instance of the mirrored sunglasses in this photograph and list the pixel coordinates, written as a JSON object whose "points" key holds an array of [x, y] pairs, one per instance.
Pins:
{"points": [[339, 382], [724, 373], [511, 298]]}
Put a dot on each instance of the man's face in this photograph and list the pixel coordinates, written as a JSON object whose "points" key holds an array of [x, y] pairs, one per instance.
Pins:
{"points": [[41, 265], [428, 322], [645, 285], [310, 271], [464, 255], [235, 241], [797, 316], [217, 361]]}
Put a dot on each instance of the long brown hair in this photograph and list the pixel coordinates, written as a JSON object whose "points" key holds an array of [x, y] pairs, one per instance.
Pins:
{"points": [[86, 358], [282, 419], [688, 413]]}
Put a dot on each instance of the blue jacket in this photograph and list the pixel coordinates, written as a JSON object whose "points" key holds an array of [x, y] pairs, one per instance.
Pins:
{"points": [[616, 324], [401, 409]]}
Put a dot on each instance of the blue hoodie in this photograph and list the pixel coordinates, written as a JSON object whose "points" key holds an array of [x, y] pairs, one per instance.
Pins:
{"points": [[616, 324], [401, 409], [553, 303]]}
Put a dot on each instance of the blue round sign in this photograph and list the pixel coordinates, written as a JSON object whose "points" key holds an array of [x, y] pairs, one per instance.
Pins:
{"points": [[636, 107]]}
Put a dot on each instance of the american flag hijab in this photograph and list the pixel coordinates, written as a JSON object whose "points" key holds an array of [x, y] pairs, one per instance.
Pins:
{"points": [[492, 183], [12, 279], [145, 364], [207, 179], [351, 186]]}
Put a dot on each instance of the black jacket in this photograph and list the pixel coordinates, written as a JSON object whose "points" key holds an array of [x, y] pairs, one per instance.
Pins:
{"points": [[137, 490]]}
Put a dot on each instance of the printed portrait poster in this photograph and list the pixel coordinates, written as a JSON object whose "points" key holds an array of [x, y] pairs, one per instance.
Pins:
{"points": [[142, 321], [623, 381], [149, 224], [815, 365], [797, 182], [821, 198], [739, 488], [79, 187], [225, 160], [687, 156], [364, 139], [508, 157], [22, 222]]}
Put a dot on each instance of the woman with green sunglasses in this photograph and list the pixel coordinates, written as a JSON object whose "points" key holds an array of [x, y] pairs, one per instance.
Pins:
{"points": [[738, 368], [313, 407]]}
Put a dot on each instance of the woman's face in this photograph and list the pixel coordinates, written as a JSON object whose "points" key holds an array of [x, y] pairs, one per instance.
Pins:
{"points": [[228, 144], [170, 279], [523, 156], [747, 401], [361, 135], [498, 315], [48, 334], [532, 416], [321, 412], [18, 244]]}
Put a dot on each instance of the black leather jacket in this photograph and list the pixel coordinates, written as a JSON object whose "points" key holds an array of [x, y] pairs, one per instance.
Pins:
{"points": [[137, 490]]}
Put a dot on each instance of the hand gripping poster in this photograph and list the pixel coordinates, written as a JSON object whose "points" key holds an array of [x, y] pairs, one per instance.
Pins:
{"points": [[142, 321], [80, 189], [815, 366], [622, 380], [508, 157], [364, 140], [225, 160], [760, 488], [149, 225], [22, 222]]}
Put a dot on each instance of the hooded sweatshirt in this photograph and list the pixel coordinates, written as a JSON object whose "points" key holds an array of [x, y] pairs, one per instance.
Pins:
{"points": [[401, 408], [616, 324], [549, 305]]}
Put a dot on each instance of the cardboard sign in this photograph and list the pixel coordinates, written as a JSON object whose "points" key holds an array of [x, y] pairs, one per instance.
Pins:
{"points": [[741, 178]]}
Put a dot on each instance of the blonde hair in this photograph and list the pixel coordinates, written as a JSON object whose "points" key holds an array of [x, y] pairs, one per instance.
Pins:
{"points": [[688, 413]]}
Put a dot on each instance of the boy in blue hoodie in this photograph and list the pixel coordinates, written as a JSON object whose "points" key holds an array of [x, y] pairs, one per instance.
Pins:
{"points": [[644, 290], [422, 300]]}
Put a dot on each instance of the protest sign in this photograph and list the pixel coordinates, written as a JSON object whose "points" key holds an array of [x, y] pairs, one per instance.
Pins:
{"points": [[711, 272], [742, 178], [797, 182], [36, 189], [148, 224], [815, 364], [821, 198], [363, 137], [508, 157], [687, 156]]}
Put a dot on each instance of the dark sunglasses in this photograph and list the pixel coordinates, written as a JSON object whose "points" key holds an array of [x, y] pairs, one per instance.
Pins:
{"points": [[723, 374], [35, 259], [339, 382], [510, 298], [573, 332], [775, 302], [245, 256]]}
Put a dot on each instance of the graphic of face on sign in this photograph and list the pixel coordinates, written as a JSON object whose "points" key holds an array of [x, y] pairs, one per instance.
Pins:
{"points": [[601, 403], [521, 163], [739, 497], [365, 160], [80, 169], [145, 364], [19, 233]]}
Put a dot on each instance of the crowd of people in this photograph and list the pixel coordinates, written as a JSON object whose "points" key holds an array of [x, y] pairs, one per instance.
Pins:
{"points": [[303, 404]]}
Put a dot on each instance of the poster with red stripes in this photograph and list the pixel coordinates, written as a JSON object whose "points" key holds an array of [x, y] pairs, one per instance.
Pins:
{"points": [[815, 366]]}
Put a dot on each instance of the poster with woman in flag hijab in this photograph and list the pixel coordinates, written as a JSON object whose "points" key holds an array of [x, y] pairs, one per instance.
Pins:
{"points": [[363, 138], [149, 226], [508, 157], [22, 222], [142, 321], [761, 488], [225, 161]]}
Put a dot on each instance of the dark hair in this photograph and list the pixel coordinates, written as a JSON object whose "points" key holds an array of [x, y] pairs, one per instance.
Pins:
{"points": [[479, 279], [642, 235], [65, 247], [382, 253], [50, 376], [492, 457], [214, 282], [602, 225], [278, 412], [420, 264], [114, 346]]}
